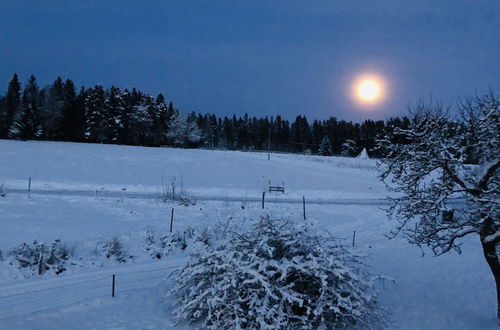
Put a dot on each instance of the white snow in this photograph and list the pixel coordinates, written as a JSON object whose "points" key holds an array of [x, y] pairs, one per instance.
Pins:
{"points": [[363, 154], [448, 292]]}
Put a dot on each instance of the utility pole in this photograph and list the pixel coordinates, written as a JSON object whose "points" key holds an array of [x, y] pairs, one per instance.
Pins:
{"points": [[213, 146], [269, 145]]}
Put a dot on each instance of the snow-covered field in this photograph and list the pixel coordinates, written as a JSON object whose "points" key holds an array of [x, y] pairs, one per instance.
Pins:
{"points": [[86, 194]]}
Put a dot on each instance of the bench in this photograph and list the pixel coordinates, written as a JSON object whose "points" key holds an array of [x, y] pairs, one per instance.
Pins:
{"points": [[277, 189]]}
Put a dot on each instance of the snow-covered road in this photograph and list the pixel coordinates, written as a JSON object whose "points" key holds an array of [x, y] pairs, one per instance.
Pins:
{"points": [[45, 295], [157, 196]]}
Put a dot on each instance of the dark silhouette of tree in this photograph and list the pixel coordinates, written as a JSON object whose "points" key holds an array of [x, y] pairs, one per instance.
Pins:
{"points": [[132, 117], [27, 125], [12, 104], [52, 104], [73, 113], [95, 115]]}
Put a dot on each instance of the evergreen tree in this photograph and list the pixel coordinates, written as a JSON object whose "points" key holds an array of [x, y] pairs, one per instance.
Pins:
{"points": [[171, 111], [160, 122], [73, 115], [243, 133], [114, 109], [282, 134], [143, 121], [325, 148], [95, 115], [301, 136], [52, 103], [27, 124], [115, 116], [317, 133], [12, 104], [3, 114], [348, 148]]}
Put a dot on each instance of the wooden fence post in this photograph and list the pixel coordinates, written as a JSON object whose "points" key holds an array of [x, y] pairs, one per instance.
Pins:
{"points": [[172, 220], [113, 287], [304, 206], [263, 196], [41, 270], [353, 238]]}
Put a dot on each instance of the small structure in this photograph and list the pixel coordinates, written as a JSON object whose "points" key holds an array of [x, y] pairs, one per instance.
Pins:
{"points": [[447, 215], [277, 188], [363, 154]]}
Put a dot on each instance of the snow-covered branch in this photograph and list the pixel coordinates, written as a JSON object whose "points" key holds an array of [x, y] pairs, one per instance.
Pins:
{"points": [[446, 175]]}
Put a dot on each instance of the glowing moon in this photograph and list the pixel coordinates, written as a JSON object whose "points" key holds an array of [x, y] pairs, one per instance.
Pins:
{"points": [[368, 89]]}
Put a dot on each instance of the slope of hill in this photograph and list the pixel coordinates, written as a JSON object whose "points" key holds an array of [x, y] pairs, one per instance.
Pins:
{"points": [[449, 292]]}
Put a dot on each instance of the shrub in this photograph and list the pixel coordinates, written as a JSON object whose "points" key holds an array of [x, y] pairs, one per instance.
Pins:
{"points": [[113, 249], [185, 200], [39, 257], [158, 247], [278, 275]]}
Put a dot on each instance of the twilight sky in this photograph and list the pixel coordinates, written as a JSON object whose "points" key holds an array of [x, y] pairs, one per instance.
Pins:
{"points": [[261, 57]]}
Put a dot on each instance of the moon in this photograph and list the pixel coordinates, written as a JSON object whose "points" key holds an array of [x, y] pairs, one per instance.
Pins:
{"points": [[368, 89]]}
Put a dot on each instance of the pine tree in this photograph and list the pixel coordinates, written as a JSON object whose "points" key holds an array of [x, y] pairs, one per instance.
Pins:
{"points": [[301, 134], [348, 148], [12, 104], [160, 121], [141, 121], [171, 111], [73, 115], [3, 114], [282, 134], [95, 115], [325, 148], [243, 133], [318, 133], [27, 124], [51, 110], [114, 108]]}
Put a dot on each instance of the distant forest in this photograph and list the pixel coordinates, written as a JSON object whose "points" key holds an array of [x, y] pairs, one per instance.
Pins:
{"points": [[61, 112]]}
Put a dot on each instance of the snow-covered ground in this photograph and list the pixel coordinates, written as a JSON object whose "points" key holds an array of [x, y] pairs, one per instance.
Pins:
{"points": [[206, 173], [343, 194]]}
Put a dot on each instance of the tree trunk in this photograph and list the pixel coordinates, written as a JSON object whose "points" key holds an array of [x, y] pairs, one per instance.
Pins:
{"points": [[490, 254]]}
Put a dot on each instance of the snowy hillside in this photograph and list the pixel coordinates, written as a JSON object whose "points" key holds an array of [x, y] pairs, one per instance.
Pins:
{"points": [[202, 172], [85, 195]]}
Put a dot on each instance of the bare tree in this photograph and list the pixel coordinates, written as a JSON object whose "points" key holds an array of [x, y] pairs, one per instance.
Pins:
{"points": [[445, 175]]}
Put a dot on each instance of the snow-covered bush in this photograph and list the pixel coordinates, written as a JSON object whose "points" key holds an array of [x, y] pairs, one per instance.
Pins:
{"points": [[277, 275], [178, 240], [113, 249], [205, 236], [185, 200], [157, 247], [39, 257]]}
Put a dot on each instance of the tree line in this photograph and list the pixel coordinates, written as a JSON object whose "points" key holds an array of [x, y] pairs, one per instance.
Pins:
{"points": [[61, 112]]}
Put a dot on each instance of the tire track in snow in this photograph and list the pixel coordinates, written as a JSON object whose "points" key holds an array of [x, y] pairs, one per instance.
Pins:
{"points": [[158, 196], [38, 296]]}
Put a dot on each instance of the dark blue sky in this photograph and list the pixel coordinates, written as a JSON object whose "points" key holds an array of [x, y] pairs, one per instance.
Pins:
{"points": [[260, 57]]}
